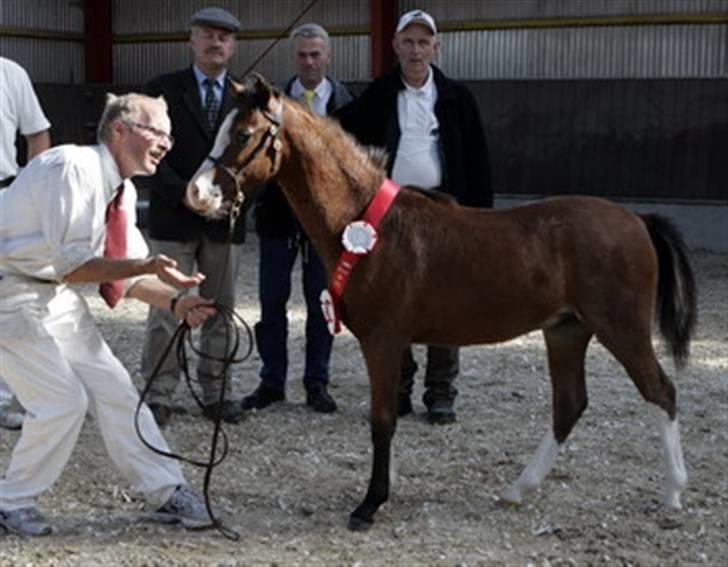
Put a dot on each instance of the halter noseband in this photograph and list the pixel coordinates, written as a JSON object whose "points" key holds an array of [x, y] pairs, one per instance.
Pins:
{"points": [[276, 121]]}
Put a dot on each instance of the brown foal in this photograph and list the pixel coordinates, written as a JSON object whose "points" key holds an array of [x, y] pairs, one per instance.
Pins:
{"points": [[440, 273]]}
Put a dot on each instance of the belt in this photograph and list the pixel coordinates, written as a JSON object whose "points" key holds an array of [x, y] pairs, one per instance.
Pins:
{"points": [[7, 181]]}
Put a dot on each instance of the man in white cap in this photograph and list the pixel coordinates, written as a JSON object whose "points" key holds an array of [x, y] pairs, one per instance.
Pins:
{"points": [[431, 129], [198, 100]]}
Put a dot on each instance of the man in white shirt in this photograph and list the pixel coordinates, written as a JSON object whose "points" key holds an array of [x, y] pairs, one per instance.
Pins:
{"points": [[53, 234], [21, 112]]}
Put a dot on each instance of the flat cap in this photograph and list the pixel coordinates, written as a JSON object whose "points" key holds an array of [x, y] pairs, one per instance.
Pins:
{"points": [[215, 18]]}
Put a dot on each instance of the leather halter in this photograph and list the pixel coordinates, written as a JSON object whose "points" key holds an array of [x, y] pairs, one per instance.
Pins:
{"points": [[271, 134]]}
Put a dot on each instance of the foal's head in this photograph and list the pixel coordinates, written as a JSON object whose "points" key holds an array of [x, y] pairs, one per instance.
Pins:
{"points": [[246, 152]]}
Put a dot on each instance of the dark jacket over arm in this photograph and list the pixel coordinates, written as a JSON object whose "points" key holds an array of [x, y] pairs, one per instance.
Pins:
{"points": [[372, 119]]}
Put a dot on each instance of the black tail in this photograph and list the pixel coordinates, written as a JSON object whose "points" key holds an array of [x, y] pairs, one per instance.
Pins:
{"points": [[676, 290]]}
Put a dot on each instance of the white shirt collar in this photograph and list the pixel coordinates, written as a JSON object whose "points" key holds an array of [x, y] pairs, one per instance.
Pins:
{"points": [[111, 174], [428, 88], [322, 90]]}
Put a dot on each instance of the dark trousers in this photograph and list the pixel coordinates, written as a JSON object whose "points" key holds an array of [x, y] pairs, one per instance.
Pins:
{"points": [[443, 366], [277, 258]]}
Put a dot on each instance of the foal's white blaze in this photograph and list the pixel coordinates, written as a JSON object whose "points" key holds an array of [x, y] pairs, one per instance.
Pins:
{"points": [[202, 193], [536, 470], [675, 475]]}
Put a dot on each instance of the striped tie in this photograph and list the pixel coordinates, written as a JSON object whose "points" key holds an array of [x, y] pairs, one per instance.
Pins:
{"points": [[212, 105]]}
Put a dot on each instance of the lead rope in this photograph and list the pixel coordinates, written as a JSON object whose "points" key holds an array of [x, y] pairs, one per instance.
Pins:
{"points": [[183, 336]]}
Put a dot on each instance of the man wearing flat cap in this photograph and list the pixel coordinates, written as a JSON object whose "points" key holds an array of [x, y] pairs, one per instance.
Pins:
{"points": [[198, 100], [431, 129]]}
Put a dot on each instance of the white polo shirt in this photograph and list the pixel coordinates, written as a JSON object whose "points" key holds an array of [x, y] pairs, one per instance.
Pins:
{"points": [[19, 110], [418, 158]]}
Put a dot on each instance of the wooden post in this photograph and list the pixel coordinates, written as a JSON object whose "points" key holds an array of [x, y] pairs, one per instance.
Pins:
{"points": [[383, 18], [98, 41]]}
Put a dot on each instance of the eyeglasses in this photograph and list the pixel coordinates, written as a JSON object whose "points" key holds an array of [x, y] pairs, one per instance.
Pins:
{"points": [[156, 132]]}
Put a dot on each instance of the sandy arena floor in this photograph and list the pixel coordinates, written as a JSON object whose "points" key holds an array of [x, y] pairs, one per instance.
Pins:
{"points": [[292, 476]]}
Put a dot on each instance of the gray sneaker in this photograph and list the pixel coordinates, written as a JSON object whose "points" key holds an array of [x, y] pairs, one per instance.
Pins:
{"points": [[24, 521], [10, 419], [186, 507]]}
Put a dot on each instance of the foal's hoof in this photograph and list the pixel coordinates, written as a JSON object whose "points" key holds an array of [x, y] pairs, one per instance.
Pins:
{"points": [[358, 524]]}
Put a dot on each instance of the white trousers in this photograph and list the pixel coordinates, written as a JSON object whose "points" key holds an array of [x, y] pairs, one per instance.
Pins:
{"points": [[58, 365], [6, 396]]}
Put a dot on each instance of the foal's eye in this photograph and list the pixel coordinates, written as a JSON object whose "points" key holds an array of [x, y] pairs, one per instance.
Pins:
{"points": [[242, 137]]}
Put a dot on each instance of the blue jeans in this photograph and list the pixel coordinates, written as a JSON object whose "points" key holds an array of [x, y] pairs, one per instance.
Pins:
{"points": [[277, 257]]}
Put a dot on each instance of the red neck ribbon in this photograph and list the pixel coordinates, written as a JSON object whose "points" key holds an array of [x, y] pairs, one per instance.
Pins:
{"points": [[377, 208]]}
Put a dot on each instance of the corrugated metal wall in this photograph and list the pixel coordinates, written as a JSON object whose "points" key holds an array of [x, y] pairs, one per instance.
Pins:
{"points": [[471, 10], [573, 99], [518, 39], [522, 39], [138, 61], [148, 16], [649, 52], [59, 56]]}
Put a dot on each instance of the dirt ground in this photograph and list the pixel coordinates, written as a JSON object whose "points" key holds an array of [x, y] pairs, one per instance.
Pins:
{"points": [[292, 476]]}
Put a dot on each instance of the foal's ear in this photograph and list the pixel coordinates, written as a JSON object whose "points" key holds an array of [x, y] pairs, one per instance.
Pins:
{"points": [[262, 90], [236, 87]]}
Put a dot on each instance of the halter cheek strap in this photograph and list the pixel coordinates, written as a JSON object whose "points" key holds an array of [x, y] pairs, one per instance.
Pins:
{"points": [[276, 121]]}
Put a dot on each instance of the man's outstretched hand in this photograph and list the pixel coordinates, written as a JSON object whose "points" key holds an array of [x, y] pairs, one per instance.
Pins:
{"points": [[166, 270]]}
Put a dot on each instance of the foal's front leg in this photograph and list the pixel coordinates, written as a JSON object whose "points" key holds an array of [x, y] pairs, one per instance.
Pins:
{"points": [[384, 360]]}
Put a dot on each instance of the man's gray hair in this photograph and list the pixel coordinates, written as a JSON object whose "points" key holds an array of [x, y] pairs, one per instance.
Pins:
{"points": [[124, 107], [309, 31]]}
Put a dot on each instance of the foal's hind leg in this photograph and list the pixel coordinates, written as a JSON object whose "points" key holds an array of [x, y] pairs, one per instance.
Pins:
{"points": [[639, 360], [566, 344]]}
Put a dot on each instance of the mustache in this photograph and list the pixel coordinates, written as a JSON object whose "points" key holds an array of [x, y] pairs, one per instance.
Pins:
{"points": [[214, 50]]}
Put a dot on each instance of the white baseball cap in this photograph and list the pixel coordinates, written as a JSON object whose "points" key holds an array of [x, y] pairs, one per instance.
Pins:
{"points": [[417, 17]]}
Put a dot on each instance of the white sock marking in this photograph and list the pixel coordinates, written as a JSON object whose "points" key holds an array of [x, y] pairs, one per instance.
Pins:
{"points": [[675, 475], [536, 470]]}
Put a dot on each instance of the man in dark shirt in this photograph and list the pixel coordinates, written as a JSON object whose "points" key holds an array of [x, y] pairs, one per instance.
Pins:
{"points": [[198, 100], [281, 240]]}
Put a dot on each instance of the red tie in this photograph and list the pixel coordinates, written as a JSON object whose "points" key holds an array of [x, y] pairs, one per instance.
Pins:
{"points": [[114, 246]]}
